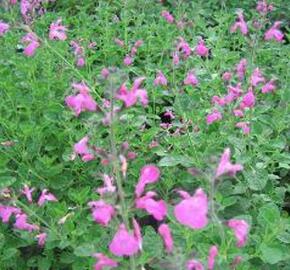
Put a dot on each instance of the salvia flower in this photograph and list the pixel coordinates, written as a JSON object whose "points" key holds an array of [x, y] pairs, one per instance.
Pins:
{"points": [[41, 239], [104, 262], [27, 192], [201, 49], [4, 27], [227, 76], [119, 42], [270, 86], [7, 211], [184, 47], [241, 69], [165, 233], [102, 212], [257, 77], [81, 148], [192, 210], [244, 126], [31, 42], [241, 229], [105, 73], [213, 252], [214, 116], [57, 31], [167, 16], [46, 196], [225, 166], [108, 185], [248, 100], [128, 60], [263, 7], [240, 24], [22, 224], [238, 113], [175, 58], [137, 233], [194, 265], [274, 33], [190, 79], [160, 79], [149, 174], [79, 53], [124, 243]]}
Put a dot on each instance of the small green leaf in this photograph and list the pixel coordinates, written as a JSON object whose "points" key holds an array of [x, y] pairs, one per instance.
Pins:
{"points": [[170, 161], [271, 255]]}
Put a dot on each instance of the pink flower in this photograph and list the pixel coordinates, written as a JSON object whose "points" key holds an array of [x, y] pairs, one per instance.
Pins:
{"points": [[130, 98], [244, 126], [192, 210], [137, 233], [167, 16], [28, 193], [156, 208], [160, 79], [235, 91], [190, 79], [241, 229], [119, 42], [13, 2], [213, 252], [194, 265], [124, 243], [21, 223], [248, 100], [213, 117], [105, 73], [79, 53], [270, 86], [149, 174], [227, 76], [257, 77], [169, 114], [80, 62], [184, 47], [6, 212], [175, 58], [240, 24], [57, 31], [82, 101], [225, 166], [41, 239], [274, 33], [4, 27], [201, 49], [165, 233], [104, 262], [237, 260], [138, 43], [238, 113], [108, 185], [128, 60], [102, 212], [241, 69], [263, 8], [81, 148], [46, 196], [31, 42]]}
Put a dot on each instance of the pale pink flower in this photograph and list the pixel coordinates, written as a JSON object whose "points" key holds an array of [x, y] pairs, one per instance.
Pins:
{"points": [[137, 233], [41, 239], [160, 79], [270, 86], [25, 7], [167, 16], [244, 126], [194, 265], [190, 79], [79, 53], [241, 69], [131, 97], [263, 7], [227, 76], [238, 113], [46, 196], [80, 62], [156, 208], [201, 49], [131, 155], [225, 166], [241, 229], [240, 24], [81, 148], [235, 90], [13, 2], [105, 73], [22, 224], [274, 33], [138, 43], [108, 185], [57, 31], [184, 47], [102, 212], [175, 58], [28, 193], [4, 27], [165, 233], [218, 100], [213, 252], [257, 77], [104, 262], [149, 174], [6, 211], [237, 260], [124, 243], [248, 100], [128, 60], [119, 42], [30, 40], [213, 117], [192, 210]]}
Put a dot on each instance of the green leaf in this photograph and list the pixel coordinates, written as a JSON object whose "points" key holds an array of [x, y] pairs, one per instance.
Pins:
{"points": [[170, 161], [257, 179], [269, 214], [271, 255], [6, 181], [85, 250]]}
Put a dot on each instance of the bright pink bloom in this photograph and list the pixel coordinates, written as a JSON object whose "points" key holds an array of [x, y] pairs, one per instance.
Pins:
{"points": [[130, 98], [105, 73], [270, 86], [248, 100], [128, 60], [213, 252], [46, 196], [218, 100], [235, 90], [192, 210], [274, 33], [4, 27], [149, 174], [184, 47], [194, 265], [238, 113], [160, 79], [28, 193], [82, 101], [41, 239], [6, 211], [241, 229], [81, 148], [190, 79], [124, 243], [119, 42], [227, 76], [241, 68], [104, 262], [225, 166], [201, 49], [31, 42], [21, 223], [156, 208], [57, 31], [244, 126], [257, 77], [213, 117], [167, 16], [240, 24], [137, 233], [102, 212], [108, 185], [165, 233]]}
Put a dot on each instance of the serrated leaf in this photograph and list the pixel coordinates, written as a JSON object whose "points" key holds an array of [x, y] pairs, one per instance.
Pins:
{"points": [[257, 179]]}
